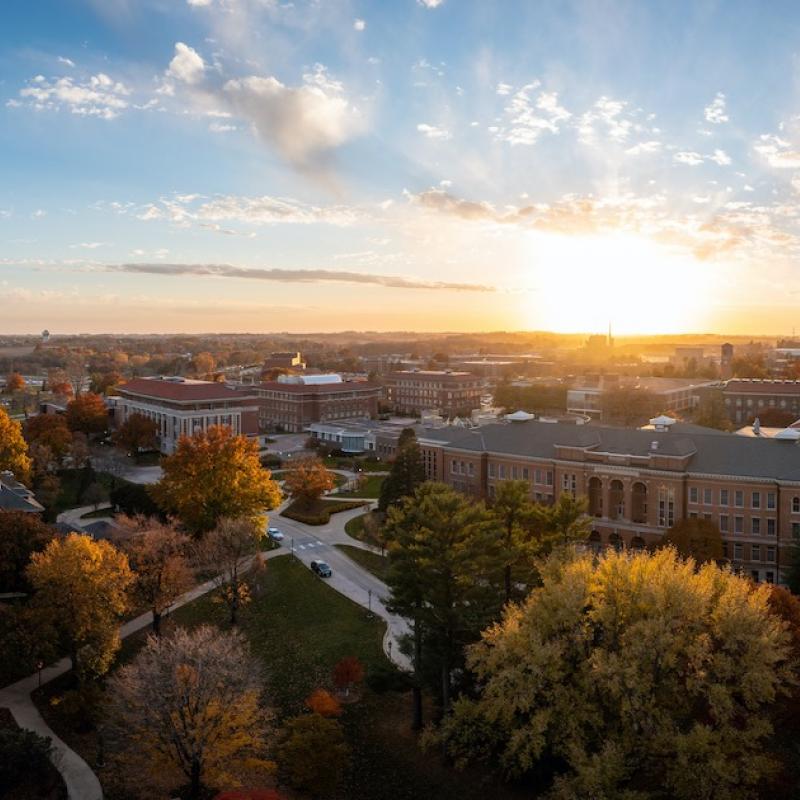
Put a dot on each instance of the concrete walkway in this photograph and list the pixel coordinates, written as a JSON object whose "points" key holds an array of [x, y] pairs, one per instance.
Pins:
{"points": [[72, 516]]}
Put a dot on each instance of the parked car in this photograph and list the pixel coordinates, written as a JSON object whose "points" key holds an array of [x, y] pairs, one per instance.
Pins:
{"points": [[321, 569], [275, 535]]}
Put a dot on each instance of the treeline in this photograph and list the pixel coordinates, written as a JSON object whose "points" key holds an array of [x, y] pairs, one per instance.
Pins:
{"points": [[533, 399]]}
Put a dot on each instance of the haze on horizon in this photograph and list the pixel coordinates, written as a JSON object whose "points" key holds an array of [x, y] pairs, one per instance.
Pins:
{"points": [[432, 165]]}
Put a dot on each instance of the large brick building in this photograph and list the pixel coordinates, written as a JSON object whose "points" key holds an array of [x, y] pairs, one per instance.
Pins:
{"points": [[181, 406], [638, 483], [746, 398], [296, 402], [451, 393]]}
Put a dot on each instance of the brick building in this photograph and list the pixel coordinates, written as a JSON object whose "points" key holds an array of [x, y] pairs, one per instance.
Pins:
{"points": [[746, 398], [294, 403], [638, 483], [290, 361], [181, 406], [452, 394]]}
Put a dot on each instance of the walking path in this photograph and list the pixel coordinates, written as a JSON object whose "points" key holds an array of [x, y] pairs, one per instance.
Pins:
{"points": [[349, 578]]}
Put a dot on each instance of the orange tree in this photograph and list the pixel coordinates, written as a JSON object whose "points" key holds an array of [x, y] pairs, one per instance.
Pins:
{"points": [[138, 432], [15, 383], [13, 450], [50, 430], [87, 413], [308, 480], [212, 475]]}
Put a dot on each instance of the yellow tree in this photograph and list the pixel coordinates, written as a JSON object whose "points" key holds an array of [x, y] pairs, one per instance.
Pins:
{"points": [[212, 475], [15, 383], [636, 673], [187, 709], [82, 585], [13, 449], [158, 555], [308, 480]]}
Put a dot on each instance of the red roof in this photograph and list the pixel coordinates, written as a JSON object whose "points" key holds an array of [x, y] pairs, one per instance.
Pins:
{"points": [[179, 391], [318, 388]]}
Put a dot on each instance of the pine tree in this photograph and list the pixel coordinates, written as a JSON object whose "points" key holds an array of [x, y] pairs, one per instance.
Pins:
{"points": [[406, 474]]}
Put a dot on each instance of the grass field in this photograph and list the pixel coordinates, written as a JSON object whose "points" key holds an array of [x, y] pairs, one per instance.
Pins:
{"points": [[355, 527], [318, 513], [370, 488], [373, 562]]}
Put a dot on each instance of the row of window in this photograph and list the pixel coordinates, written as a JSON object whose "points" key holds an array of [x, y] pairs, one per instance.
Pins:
{"points": [[756, 498], [757, 526], [757, 552]]}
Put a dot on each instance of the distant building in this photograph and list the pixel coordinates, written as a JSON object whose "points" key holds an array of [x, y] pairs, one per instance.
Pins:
{"points": [[746, 398], [673, 394], [14, 496], [290, 361], [181, 406], [451, 393], [356, 437], [726, 361], [294, 402]]}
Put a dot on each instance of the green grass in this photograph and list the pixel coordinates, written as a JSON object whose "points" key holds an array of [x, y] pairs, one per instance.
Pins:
{"points": [[370, 488], [338, 462], [372, 562], [355, 527], [319, 512]]}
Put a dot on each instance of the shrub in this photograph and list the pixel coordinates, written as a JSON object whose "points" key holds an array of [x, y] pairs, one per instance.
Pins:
{"points": [[386, 678], [133, 499], [322, 702], [319, 513], [22, 753], [313, 754]]}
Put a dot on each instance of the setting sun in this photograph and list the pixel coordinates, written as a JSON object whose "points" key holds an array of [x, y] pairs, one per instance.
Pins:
{"points": [[585, 283]]}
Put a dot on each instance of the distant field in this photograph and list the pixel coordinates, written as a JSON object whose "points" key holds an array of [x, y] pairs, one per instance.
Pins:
{"points": [[15, 352]]}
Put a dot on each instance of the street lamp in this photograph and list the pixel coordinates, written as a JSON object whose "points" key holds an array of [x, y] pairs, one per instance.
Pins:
{"points": [[369, 602], [39, 666]]}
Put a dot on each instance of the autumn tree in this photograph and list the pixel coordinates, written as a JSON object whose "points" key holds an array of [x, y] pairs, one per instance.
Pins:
{"points": [[21, 535], [104, 382], [137, 433], [231, 550], [157, 553], [79, 450], [15, 383], [50, 430], [307, 480], [445, 564], [212, 475], [347, 673], [695, 538], [87, 414], [13, 449], [313, 754], [58, 383], [322, 702], [203, 364], [187, 709], [513, 512], [406, 474], [83, 585], [631, 675]]}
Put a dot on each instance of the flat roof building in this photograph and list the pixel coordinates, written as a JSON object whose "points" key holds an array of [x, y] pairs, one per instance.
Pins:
{"points": [[451, 393], [746, 398]]}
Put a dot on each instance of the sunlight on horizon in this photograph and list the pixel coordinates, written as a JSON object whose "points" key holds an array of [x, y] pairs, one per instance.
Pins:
{"points": [[585, 282]]}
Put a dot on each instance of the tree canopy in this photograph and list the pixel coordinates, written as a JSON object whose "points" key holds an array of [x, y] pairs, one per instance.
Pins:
{"points": [[88, 414], [13, 448], [50, 430], [212, 475], [21, 535], [137, 433], [406, 473], [697, 538], [307, 480], [630, 676]]}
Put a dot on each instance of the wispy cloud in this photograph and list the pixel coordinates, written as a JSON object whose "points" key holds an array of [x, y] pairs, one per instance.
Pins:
{"points": [[434, 131], [777, 152], [715, 112], [98, 96], [293, 276]]}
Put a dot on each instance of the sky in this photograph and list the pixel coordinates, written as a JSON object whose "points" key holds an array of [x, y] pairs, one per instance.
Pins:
{"points": [[324, 165]]}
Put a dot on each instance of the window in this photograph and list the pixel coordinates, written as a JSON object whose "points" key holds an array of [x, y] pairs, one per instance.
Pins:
{"points": [[707, 515], [796, 530], [549, 478], [724, 549], [770, 527], [492, 470], [708, 497], [501, 471], [666, 507], [738, 498], [771, 554], [756, 498], [692, 515], [770, 576], [771, 501], [738, 524], [755, 552], [737, 551], [525, 474], [514, 474], [538, 476], [471, 468], [723, 523], [723, 497], [755, 526], [796, 505], [454, 466], [692, 494], [754, 575]]}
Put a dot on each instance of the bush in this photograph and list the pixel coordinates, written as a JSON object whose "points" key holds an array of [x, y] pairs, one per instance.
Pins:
{"points": [[22, 754], [313, 754], [386, 678], [271, 461], [322, 702], [319, 513], [132, 499]]}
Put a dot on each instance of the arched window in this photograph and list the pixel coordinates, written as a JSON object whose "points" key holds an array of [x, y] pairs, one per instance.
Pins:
{"points": [[639, 503], [595, 497], [637, 543], [616, 500], [615, 541], [595, 542]]}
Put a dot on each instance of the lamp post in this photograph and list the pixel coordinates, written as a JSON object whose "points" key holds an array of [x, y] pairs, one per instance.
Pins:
{"points": [[369, 602], [39, 666]]}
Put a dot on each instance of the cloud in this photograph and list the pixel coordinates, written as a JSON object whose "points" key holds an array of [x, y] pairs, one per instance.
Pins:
{"points": [[434, 132], [261, 210], [715, 112], [68, 62], [359, 25], [293, 276], [504, 89], [644, 148], [199, 3], [777, 152], [186, 65], [99, 96], [720, 157], [689, 158], [607, 116], [527, 118], [430, 3]]}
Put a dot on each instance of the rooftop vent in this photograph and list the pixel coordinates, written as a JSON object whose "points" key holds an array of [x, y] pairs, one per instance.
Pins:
{"points": [[654, 445]]}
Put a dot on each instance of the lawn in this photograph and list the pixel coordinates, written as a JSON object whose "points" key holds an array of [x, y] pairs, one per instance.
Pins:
{"points": [[370, 488], [355, 527], [365, 465], [373, 562]]}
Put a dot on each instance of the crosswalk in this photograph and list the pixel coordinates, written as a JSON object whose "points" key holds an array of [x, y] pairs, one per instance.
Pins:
{"points": [[309, 545]]}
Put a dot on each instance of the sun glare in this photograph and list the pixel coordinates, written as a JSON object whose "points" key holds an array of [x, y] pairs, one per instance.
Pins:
{"points": [[585, 283]]}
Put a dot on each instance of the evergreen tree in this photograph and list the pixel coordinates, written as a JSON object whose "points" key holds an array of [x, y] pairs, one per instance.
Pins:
{"points": [[406, 474]]}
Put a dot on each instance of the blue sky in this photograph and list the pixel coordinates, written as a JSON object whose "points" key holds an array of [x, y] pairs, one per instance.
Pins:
{"points": [[201, 165]]}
